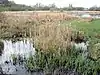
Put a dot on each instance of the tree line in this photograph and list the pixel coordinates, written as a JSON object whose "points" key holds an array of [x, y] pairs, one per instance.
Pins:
{"points": [[6, 5]]}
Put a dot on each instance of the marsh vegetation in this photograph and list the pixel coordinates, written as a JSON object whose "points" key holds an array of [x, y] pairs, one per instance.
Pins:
{"points": [[54, 36]]}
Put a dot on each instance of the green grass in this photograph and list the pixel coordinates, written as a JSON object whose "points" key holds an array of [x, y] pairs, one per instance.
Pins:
{"points": [[91, 29], [93, 26]]}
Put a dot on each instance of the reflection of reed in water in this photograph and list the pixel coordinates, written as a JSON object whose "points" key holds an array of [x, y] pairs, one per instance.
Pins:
{"points": [[14, 55], [1, 47]]}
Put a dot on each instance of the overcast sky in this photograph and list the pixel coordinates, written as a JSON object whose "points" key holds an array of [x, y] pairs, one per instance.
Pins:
{"points": [[61, 3]]}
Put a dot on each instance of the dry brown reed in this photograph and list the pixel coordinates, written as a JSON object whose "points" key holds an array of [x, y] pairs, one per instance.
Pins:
{"points": [[52, 36]]}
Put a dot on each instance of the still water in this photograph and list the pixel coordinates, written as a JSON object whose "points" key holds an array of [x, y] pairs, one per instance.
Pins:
{"points": [[23, 49]]}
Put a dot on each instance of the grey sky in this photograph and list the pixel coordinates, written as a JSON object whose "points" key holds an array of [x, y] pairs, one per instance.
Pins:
{"points": [[61, 3]]}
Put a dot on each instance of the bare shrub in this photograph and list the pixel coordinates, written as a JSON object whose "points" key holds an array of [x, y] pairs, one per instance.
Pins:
{"points": [[78, 37]]}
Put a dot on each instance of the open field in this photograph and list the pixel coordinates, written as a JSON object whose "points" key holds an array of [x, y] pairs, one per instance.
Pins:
{"points": [[90, 12]]}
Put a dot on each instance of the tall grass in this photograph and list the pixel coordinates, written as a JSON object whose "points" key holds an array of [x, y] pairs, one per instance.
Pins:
{"points": [[15, 23], [71, 60], [52, 36]]}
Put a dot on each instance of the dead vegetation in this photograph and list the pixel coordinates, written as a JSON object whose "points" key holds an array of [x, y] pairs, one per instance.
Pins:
{"points": [[52, 36]]}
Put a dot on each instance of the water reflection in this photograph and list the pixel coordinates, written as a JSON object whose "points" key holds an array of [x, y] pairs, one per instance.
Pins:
{"points": [[12, 60]]}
